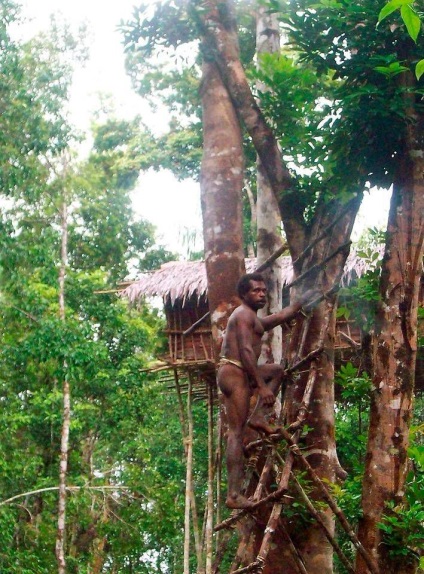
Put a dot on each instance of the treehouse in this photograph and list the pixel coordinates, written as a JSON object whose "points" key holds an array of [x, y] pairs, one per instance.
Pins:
{"points": [[182, 285]]}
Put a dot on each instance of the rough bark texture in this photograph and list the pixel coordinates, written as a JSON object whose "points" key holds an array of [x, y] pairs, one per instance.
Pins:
{"points": [[268, 214], [221, 184], [395, 353]]}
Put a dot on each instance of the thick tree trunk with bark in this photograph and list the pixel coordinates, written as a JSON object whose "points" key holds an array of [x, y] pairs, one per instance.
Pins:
{"points": [[319, 444], [395, 353], [221, 184], [220, 43], [222, 174]]}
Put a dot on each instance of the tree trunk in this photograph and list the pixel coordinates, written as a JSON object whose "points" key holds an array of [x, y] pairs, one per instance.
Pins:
{"points": [[66, 421], [268, 215], [395, 354], [220, 42], [319, 444], [221, 184], [222, 174]]}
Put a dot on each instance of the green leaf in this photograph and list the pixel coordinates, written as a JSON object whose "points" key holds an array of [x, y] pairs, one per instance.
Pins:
{"points": [[419, 69], [412, 21], [391, 7]]}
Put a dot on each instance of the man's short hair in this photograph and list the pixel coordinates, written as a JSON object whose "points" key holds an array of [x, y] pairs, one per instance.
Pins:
{"points": [[243, 284]]}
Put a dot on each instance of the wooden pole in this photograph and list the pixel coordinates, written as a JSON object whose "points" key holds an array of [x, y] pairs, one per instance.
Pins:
{"points": [[211, 473], [189, 476]]}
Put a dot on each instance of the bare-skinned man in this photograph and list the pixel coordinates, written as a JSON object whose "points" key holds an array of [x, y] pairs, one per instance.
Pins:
{"points": [[240, 376]]}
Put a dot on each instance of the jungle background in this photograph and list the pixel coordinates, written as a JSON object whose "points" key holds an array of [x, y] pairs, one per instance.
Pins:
{"points": [[70, 236]]}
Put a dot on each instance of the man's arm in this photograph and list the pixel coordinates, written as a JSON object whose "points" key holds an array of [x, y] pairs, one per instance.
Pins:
{"points": [[248, 358], [281, 316], [244, 334], [291, 311]]}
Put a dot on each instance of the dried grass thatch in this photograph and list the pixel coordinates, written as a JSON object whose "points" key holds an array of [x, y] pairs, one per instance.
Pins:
{"points": [[181, 280]]}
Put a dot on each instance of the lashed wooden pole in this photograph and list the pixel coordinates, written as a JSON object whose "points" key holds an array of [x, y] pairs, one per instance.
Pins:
{"points": [[189, 477], [320, 521], [184, 431]]}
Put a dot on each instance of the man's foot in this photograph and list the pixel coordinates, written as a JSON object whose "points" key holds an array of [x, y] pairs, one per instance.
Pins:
{"points": [[261, 425], [238, 502]]}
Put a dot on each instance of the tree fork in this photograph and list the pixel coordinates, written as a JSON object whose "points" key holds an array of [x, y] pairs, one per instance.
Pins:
{"points": [[222, 46], [371, 564]]}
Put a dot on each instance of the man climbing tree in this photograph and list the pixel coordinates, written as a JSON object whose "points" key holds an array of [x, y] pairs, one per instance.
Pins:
{"points": [[239, 375]]}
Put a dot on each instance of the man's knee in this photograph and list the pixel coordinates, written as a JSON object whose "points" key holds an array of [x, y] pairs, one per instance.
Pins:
{"points": [[272, 372]]}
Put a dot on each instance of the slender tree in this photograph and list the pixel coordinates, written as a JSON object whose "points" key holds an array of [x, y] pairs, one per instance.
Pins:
{"points": [[268, 216]]}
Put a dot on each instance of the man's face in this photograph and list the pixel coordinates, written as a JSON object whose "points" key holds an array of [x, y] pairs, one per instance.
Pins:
{"points": [[255, 298]]}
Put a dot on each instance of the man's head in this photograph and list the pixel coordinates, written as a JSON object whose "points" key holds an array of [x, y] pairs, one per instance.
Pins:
{"points": [[252, 290]]}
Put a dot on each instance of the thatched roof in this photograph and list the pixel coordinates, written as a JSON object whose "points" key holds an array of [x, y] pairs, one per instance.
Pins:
{"points": [[184, 279]]}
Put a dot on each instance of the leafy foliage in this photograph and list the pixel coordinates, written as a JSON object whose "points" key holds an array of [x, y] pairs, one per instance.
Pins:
{"points": [[367, 114], [117, 442], [403, 523], [410, 18]]}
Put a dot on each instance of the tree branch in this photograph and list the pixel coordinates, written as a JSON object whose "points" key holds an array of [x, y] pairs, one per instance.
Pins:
{"points": [[69, 488]]}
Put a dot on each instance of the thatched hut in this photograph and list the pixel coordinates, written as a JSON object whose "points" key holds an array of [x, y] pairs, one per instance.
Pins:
{"points": [[183, 287]]}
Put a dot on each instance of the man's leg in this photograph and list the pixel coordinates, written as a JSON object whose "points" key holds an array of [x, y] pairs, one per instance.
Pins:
{"points": [[236, 394], [273, 376]]}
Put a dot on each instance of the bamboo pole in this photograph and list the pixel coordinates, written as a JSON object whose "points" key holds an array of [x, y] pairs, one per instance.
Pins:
{"points": [[185, 432]]}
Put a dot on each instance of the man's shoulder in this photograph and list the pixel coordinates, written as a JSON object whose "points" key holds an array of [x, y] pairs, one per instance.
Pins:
{"points": [[242, 313]]}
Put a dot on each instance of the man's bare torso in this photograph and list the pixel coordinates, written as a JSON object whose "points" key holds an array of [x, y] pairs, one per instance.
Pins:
{"points": [[242, 318]]}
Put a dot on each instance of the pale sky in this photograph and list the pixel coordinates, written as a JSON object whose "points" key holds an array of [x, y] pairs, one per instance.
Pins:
{"points": [[171, 206]]}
